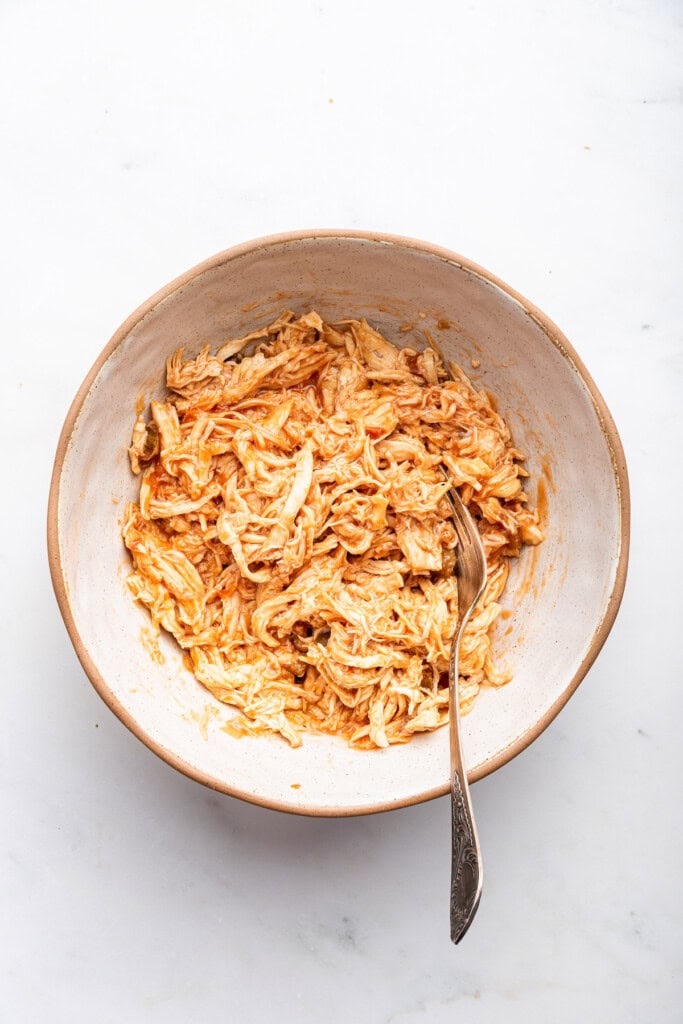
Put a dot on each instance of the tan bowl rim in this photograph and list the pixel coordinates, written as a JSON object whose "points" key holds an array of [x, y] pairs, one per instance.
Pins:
{"points": [[556, 337]]}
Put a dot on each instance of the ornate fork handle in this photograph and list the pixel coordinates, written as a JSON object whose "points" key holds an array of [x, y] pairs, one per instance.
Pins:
{"points": [[466, 875]]}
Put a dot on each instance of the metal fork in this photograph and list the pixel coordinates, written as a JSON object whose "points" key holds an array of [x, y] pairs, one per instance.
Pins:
{"points": [[466, 868]]}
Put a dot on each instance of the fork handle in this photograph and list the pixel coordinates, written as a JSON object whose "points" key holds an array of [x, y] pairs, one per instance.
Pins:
{"points": [[466, 869], [466, 875]]}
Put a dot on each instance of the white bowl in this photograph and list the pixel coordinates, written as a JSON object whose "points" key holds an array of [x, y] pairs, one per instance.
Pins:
{"points": [[563, 595]]}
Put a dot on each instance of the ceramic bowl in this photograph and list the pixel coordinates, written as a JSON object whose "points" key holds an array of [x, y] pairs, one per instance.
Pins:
{"points": [[561, 599]]}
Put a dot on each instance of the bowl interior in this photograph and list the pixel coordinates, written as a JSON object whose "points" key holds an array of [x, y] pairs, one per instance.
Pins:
{"points": [[558, 595]]}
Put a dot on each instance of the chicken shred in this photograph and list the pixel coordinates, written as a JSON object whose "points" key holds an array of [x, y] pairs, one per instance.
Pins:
{"points": [[294, 535]]}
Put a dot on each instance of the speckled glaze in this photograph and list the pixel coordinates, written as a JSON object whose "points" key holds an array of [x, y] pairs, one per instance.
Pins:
{"points": [[561, 599]]}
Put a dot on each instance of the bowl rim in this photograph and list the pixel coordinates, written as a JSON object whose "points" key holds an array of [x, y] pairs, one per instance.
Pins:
{"points": [[553, 333]]}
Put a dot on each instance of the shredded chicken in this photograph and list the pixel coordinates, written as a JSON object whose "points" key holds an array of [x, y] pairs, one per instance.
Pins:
{"points": [[294, 535]]}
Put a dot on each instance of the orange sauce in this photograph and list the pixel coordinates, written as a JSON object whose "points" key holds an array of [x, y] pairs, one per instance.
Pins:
{"points": [[542, 503], [234, 727], [150, 641], [493, 401], [547, 471], [529, 574]]}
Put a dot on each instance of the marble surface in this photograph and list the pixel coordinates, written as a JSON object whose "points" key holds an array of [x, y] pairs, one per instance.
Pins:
{"points": [[545, 143]]}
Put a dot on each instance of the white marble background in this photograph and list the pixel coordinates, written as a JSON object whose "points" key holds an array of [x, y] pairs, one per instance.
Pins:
{"points": [[542, 140]]}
